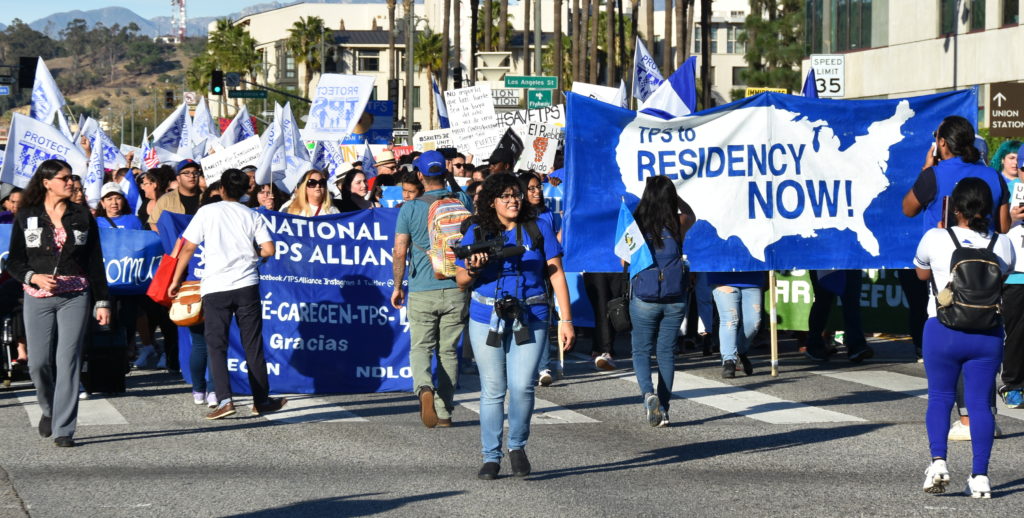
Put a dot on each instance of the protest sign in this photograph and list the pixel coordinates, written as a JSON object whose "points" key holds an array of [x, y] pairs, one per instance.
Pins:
{"points": [[246, 152], [434, 139], [137, 155], [474, 124], [883, 305], [607, 94], [337, 106], [553, 115], [31, 142], [375, 125], [540, 142], [777, 181]]}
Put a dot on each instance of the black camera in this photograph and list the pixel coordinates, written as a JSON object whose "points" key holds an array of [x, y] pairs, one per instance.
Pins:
{"points": [[507, 308], [494, 248]]}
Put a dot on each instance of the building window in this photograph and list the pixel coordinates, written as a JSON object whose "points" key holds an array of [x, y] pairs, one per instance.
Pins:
{"points": [[947, 16], [368, 60], [977, 15], [373, 94], [733, 45], [697, 39], [1011, 12], [415, 97], [714, 39], [851, 24], [737, 76], [289, 66], [711, 73]]}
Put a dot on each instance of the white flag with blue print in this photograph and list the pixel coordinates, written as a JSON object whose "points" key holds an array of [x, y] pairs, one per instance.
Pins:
{"points": [[677, 96], [630, 245], [46, 97], [296, 154], [203, 128], [239, 129], [92, 182], [646, 76], [168, 135], [442, 110], [31, 142]]}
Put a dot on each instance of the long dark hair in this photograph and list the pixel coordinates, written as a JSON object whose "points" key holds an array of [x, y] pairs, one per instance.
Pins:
{"points": [[346, 182], [972, 198], [35, 193], [959, 135], [280, 197], [494, 186], [534, 210], [153, 175], [659, 210]]}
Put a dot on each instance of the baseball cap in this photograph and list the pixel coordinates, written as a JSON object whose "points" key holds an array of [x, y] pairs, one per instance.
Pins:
{"points": [[110, 188], [431, 163], [186, 163]]}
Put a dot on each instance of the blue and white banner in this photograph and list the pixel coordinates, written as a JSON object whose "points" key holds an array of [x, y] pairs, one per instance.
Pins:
{"points": [[375, 126], [29, 143], [203, 128], [271, 143], [296, 154], [776, 181], [239, 129], [646, 75], [170, 133], [92, 182], [46, 97], [337, 106], [328, 325], [677, 96], [111, 152]]}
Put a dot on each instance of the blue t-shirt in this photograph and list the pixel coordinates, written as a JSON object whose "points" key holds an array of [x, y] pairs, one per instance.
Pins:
{"points": [[127, 222], [553, 220], [521, 276], [412, 220], [935, 183]]}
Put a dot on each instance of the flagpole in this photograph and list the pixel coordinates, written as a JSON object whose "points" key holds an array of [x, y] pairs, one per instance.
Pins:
{"points": [[773, 323]]}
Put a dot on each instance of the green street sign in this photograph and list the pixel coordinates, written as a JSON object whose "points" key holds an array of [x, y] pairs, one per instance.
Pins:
{"points": [[247, 94], [540, 82], [538, 99]]}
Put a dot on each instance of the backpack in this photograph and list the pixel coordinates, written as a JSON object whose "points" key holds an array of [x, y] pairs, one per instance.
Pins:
{"points": [[970, 301], [444, 230], [666, 278]]}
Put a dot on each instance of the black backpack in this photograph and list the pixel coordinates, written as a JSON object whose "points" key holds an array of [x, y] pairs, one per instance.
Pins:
{"points": [[970, 302]]}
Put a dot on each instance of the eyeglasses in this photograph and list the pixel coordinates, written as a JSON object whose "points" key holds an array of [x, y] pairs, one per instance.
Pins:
{"points": [[64, 179], [534, 188], [193, 174], [509, 197], [312, 184]]}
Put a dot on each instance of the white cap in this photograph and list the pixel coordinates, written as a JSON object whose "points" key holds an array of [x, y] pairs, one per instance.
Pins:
{"points": [[110, 188]]}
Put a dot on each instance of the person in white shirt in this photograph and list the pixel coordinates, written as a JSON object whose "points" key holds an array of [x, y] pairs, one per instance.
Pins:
{"points": [[311, 197], [235, 238], [948, 352]]}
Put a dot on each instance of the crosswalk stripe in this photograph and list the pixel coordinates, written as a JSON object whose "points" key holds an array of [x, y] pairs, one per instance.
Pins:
{"points": [[544, 412], [903, 383], [91, 412], [305, 408]]}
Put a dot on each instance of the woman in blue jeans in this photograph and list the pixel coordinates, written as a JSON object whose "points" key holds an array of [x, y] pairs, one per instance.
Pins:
{"points": [[659, 293], [738, 297], [508, 314]]}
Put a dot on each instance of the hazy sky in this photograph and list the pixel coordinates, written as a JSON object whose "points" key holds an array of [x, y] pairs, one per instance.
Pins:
{"points": [[31, 11]]}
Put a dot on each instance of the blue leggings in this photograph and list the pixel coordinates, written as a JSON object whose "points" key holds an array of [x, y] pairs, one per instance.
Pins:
{"points": [[947, 353]]}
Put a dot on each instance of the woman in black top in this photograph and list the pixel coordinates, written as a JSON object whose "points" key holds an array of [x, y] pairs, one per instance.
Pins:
{"points": [[55, 252]]}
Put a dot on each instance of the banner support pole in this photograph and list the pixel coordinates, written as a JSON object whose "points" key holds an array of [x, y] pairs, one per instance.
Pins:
{"points": [[773, 323]]}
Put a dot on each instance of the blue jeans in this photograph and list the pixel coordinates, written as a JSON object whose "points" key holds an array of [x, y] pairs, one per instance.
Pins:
{"points": [[511, 368], [736, 306], [655, 325], [705, 304], [198, 362]]}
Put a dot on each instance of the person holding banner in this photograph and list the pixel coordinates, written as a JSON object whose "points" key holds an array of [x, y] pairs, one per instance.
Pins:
{"points": [[59, 238], [508, 314], [236, 239], [354, 193], [310, 197]]}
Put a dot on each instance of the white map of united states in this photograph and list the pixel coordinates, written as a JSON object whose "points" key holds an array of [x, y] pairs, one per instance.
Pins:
{"points": [[724, 201]]}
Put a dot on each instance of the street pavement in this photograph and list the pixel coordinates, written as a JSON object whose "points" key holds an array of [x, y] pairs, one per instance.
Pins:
{"points": [[819, 440]]}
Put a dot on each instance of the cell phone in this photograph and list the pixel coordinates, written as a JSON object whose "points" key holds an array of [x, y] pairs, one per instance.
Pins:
{"points": [[947, 214]]}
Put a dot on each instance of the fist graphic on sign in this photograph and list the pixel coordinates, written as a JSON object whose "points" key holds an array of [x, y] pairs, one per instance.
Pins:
{"points": [[540, 145]]}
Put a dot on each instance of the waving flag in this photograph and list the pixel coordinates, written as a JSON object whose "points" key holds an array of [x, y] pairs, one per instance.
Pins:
{"points": [[369, 164], [646, 76], [296, 154], [92, 182], [630, 245], [239, 129], [149, 159], [131, 191], [108, 150], [271, 142], [62, 123], [185, 145], [30, 142], [677, 96], [810, 90], [169, 134], [46, 97], [203, 127], [442, 110]]}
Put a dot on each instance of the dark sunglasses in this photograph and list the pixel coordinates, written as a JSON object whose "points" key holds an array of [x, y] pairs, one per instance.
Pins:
{"points": [[313, 183], [458, 165]]}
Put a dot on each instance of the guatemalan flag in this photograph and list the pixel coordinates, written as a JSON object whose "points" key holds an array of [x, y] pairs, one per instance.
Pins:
{"points": [[677, 96], [810, 90], [630, 245], [442, 110], [646, 76], [369, 164]]}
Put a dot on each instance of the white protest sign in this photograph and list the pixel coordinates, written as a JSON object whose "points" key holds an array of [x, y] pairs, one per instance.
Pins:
{"points": [[474, 125], [428, 140], [136, 157], [246, 152], [30, 142], [339, 102], [540, 142], [552, 115], [1017, 197]]}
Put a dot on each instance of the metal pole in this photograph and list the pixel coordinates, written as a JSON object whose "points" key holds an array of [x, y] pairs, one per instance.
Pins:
{"points": [[322, 61], [410, 26], [132, 104], [956, 31], [773, 323], [537, 58]]}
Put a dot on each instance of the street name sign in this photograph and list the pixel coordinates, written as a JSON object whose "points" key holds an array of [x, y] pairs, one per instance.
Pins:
{"points": [[247, 94], [538, 82]]}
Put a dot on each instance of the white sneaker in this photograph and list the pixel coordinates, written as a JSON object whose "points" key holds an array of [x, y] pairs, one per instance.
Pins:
{"points": [[664, 420], [978, 487], [604, 362], [84, 395], [199, 398], [959, 432], [936, 477], [211, 400], [545, 378]]}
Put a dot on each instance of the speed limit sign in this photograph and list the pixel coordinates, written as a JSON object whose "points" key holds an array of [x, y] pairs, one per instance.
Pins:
{"points": [[829, 74]]}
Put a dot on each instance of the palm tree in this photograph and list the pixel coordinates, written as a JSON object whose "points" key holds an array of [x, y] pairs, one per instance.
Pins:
{"points": [[580, 42], [634, 12], [392, 66], [428, 50], [649, 10], [488, 15], [681, 36], [230, 48], [526, 37], [304, 43], [609, 41], [447, 43], [666, 46], [457, 32], [495, 41], [595, 15], [503, 25], [558, 48]]}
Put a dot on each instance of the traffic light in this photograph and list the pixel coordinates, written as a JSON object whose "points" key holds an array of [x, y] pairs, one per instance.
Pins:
{"points": [[217, 82], [27, 71], [168, 99], [457, 77], [393, 90]]}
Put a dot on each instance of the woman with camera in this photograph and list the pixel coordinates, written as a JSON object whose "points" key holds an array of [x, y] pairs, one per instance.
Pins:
{"points": [[508, 313], [659, 293], [55, 252]]}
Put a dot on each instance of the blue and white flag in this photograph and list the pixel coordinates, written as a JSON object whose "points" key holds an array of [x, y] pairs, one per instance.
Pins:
{"points": [[327, 157], [271, 142], [630, 245], [646, 76], [442, 110], [337, 106], [62, 123], [776, 181], [239, 129], [369, 164], [810, 90], [296, 154], [131, 191], [677, 96], [169, 134], [46, 97], [203, 128], [29, 143], [92, 182], [185, 146], [111, 152]]}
